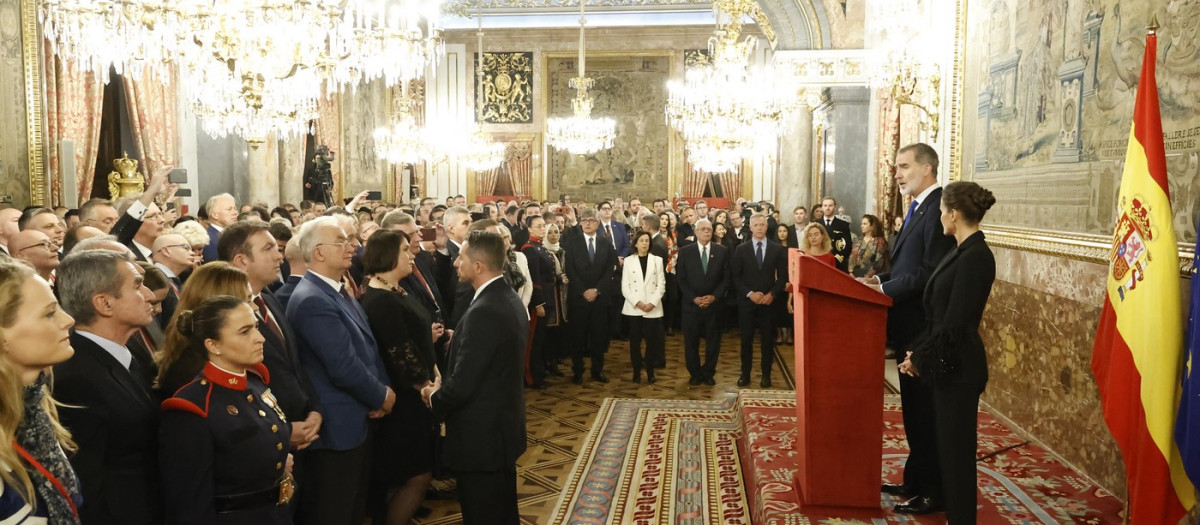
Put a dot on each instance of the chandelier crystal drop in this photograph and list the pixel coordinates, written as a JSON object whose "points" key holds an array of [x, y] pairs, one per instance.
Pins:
{"points": [[405, 141], [727, 110], [479, 152], [581, 134]]}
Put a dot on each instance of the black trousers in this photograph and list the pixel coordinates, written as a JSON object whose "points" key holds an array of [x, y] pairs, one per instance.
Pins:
{"points": [[671, 303], [489, 497], [707, 323], [754, 318], [650, 329], [922, 472], [956, 426], [589, 322], [337, 485]]}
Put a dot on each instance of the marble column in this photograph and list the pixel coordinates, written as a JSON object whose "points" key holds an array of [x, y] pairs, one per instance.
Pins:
{"points": [[264, 172], [793, 186], [849, 179]]}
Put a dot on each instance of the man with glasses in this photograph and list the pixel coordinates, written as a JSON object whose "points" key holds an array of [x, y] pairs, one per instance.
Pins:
{"points": [[172, 255], [341, 358], [589, 294], [45, 221], [35, 249]]}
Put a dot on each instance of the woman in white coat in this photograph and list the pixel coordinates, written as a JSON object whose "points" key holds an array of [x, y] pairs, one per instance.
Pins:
{"points": [[643, 283]]}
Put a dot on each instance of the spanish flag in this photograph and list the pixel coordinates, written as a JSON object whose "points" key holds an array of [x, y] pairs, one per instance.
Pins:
{"points": [[1138, 356]]}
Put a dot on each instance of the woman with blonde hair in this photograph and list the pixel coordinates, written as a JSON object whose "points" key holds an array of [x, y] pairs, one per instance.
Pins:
{"points": [[816, 243], [176, 366], [39, 484]]}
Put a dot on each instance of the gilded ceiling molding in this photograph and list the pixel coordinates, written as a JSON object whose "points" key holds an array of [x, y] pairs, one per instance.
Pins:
{"points": [[825, 67], [469, 7], [1084, 247], [798, 24]]}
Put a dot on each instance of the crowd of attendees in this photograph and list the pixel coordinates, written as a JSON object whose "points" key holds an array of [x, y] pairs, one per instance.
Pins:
{"points": [[257, 364]]}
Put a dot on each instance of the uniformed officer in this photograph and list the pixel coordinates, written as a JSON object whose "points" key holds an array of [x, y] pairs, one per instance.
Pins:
{"points": [[223, 442]]}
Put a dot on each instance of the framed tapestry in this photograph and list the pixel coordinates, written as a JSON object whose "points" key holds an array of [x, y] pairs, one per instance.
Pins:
{"points": [[632, 89], [1044, 119]]}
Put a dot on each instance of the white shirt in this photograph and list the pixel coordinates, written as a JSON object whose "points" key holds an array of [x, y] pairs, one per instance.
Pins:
{"points": [[589, 239], [136, 210], [485, 285], [163, 267], [921, 198], [146, 253], [336, 285], [118, 351], [217, 227]]}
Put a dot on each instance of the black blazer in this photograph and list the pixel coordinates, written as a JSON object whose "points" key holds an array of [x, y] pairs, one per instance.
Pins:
{"points": [[658, 246], [289, 381], [748, 277], [954, 301], [430, 299], [116, 428], [794, 236], [584, 274], [482, 398], [843, 242], [694, 281], [918, 249]]}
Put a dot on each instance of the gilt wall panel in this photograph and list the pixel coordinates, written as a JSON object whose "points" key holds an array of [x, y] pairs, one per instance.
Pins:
{"points": [[633, 91], [507, 86], [14, 149], [1051, 87]]}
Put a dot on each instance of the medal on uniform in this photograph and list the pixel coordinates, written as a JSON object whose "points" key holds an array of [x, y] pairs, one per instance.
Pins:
{"points": [[270, 400]]}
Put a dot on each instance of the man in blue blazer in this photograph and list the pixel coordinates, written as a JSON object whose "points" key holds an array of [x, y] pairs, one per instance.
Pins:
{"points": [[222, 211], [481, 398], [759, 271], [618, 235], [340, 355], [916, 252]]}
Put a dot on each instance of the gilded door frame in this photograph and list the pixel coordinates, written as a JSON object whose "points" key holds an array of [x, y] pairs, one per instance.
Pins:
{"points": [[34, 107]]}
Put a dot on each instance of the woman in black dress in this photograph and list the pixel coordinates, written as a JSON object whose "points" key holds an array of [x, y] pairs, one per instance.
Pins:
{"points": [[949, 355], [403, 456]]}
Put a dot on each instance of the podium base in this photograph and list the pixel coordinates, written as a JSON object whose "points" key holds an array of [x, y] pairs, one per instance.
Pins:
{"points": [[814, 509]]}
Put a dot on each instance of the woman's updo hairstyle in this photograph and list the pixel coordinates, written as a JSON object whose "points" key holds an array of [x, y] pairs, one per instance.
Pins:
{"points": [[206, 321], [969, 199]]}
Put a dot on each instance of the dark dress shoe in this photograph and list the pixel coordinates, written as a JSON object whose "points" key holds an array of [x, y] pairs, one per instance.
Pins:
{"points": [[743, 381], [695, 382], [637, 376], [765, 383], [898, 489], [650, 376], [918, 505], [600, 377], [710, 381], [577, 379]]}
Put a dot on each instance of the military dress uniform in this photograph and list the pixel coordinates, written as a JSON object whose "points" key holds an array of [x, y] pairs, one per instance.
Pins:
{"points": [[223, 446]]}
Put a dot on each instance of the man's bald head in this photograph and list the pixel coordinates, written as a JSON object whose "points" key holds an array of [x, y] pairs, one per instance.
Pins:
{"points": [[169, 239], [36, 249]]}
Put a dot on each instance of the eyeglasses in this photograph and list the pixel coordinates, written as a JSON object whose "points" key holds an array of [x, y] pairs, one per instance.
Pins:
{"points": [[188, 246], [47, 244], [343, 243]]}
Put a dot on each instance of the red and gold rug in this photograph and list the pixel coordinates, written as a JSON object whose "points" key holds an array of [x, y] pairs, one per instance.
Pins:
{"points": [[730, 460]]}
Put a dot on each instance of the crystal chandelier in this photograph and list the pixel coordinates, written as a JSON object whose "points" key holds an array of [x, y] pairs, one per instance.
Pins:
{"points": [[405, 142], [581, 134], [726, 110], [259, 65], [478, 152]]}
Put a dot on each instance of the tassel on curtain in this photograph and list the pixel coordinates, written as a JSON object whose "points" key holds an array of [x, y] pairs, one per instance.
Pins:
{"points": [[153, 117], [74, 108]]}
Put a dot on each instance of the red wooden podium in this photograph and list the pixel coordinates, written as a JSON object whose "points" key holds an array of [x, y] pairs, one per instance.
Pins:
{"points": [[840, 333]]}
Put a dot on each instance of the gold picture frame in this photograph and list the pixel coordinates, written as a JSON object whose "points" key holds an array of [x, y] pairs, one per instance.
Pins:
{"points": [[34, 105], [1086, 247]]}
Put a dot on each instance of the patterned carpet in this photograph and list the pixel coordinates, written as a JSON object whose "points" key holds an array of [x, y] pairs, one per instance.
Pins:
{"points": [[559, 418]]}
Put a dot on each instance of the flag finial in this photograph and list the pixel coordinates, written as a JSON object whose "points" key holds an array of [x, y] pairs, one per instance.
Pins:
{"points": [[1153, 27]]}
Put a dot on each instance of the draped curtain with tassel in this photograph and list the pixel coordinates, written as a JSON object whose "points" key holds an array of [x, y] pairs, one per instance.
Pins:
{"points": [[74, 101], [731, 184], [519, 158], [485, 180], [888, 201], [153, 117]]}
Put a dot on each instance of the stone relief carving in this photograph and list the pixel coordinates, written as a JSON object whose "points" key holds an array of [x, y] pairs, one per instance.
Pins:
{"points": [[632, 90], [1055, 86], [507, 87]]}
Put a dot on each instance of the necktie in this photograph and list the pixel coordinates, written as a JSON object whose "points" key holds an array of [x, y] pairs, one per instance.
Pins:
{"points": [[608, 231], [704, 259], [758, 252], [266, 317], [912, 207], [176, 284], [591, 249], [417, 272]]}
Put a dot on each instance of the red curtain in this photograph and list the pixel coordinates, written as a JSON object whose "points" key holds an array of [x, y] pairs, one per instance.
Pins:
{"points": [[73, 111]]}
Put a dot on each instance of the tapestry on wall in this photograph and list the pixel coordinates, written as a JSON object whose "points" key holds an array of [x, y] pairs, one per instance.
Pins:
{"points": [[14, 147], [1052, 85], [633, 91], [507, 86]]}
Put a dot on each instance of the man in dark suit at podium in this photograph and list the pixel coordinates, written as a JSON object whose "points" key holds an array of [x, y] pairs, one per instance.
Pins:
{"points": [[759, 274], [917, 251], [702, 273]]}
